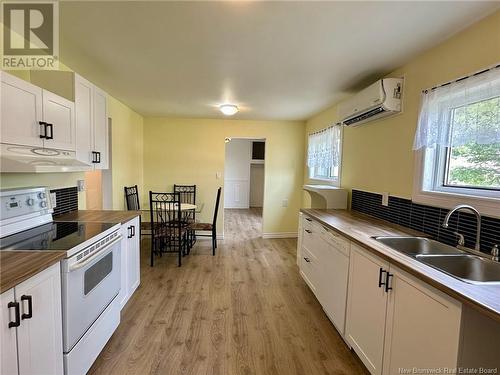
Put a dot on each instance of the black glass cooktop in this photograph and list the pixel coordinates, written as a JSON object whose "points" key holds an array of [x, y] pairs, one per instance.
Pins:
{"points": [[55, 236]]}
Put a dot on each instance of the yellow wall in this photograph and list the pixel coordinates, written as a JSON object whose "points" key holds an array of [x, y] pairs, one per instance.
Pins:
{"points": [[378, 156], [191, 151], [127, 143], [127, 150]]}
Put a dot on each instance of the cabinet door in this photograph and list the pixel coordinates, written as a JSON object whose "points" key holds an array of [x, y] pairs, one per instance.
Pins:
{"points": [[423, 326], [59, 113], [310, 270], [100, 127], [333, 285], [8, 346], [299, 239], [133, 257], [21, 111], [366, 308], [84, 119], [39, 336], [123, 295]]}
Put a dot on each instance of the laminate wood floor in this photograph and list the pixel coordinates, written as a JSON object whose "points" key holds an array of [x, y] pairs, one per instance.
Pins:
{"points": [[244, 311]]}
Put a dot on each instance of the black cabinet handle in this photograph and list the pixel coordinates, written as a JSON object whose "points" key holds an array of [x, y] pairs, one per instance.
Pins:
{"points": [[380, 274], [43, 129], [129, 229], [308, 219], [98, 157], [94, 157], [17, 322], [308, 231], [51, 127], [133, 230], [387, 282], [30, 307], [307, 259]]}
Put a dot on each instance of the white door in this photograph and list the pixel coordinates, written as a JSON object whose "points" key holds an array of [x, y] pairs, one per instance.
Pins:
{"points": [[40, 347], [59, 114], [8, 346], [334, 278], [423, 326], [84, 119], [21, 112], [366, 308], [134, 256], [123, 295], [100, 128]]}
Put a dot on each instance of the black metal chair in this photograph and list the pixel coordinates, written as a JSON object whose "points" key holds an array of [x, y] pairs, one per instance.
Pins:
{"points": [[188, 195], [132, 201], [209, 227], [168, 234]]}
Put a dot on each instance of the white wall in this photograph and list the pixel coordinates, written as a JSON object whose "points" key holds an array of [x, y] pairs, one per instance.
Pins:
{"points": [[256, 185], [237, 173]]}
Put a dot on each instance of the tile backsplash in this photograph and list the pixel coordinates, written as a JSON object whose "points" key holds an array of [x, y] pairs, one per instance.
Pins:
{"points": [[428, 219], [66, 200]]}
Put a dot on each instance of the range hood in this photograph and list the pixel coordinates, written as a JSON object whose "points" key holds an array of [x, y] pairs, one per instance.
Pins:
{"points": [[27, 159]]}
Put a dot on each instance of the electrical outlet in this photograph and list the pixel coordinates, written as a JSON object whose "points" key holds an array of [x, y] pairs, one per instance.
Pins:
{"points": [[284, 203], [53, 199], [385, 199], [81, 185], [218, 175]]}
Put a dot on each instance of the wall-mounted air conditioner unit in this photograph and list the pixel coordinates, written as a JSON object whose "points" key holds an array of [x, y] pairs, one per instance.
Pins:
{"points": [[381, 99]]}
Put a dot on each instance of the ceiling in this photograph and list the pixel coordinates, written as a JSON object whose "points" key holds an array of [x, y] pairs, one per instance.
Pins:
{"points": [[275, 60]]}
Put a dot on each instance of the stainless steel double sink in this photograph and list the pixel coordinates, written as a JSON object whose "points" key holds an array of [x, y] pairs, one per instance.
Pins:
{"points": [[460, 264]]}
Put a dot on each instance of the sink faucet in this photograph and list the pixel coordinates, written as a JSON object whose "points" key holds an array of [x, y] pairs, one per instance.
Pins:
{"points": [[478, 219]]}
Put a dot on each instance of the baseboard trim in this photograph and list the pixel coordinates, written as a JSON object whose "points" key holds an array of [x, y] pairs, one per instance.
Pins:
{"points": [[280, 235]]}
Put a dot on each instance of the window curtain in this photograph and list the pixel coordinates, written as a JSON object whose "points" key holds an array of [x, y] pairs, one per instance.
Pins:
{"points": [[447, 116], [324, 148]]}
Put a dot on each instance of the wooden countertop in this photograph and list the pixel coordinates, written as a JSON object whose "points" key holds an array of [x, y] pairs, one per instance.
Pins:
{"points": [[360, 228], [17, 266], [100, 216]]}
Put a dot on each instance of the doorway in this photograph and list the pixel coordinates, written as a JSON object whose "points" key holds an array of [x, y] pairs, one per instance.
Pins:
{"points": [[244, 180]]}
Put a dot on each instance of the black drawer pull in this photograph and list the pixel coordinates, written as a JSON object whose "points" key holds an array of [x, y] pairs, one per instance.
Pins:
{"points": [[387, 282], [43, 128], [308, 219], [129, 234], [307, 260], [308, 231], [380, 274], [29, 315], [133, 230], [51, 127], [17, 322]]}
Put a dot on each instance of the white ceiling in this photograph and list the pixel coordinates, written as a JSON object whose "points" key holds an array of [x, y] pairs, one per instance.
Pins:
{"points": [[275, 60]]}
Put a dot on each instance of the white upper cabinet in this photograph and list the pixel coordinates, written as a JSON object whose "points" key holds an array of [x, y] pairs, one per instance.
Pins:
{"points": [[100, 128], [21, 112], [92, 124], [59, 116], [84, 119], [35, 117]]}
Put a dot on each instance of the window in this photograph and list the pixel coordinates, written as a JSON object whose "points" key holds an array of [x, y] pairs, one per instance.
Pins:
{"points": [[458, 140], [323, 154]]}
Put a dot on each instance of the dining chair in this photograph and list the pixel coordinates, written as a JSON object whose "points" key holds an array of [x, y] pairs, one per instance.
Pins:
{"points": [[209, 227], [132, 201], [188, 195], [168, 234]]}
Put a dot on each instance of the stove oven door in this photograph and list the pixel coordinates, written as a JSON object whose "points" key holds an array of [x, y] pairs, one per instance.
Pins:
{"points": [[89, 286]]}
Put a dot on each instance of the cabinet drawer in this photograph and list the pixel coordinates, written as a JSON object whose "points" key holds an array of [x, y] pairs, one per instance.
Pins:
{"points": [[307, 222], [309, 266], [311, 239]]}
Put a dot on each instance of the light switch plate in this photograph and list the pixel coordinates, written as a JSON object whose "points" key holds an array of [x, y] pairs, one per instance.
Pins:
{"points": [[53, 200], [218, 175], [385, 199]]}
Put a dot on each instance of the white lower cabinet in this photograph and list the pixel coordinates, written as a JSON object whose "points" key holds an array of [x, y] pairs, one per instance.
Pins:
{"points": [[393, 321], [366, 308], [130, 260], [31, 313]]}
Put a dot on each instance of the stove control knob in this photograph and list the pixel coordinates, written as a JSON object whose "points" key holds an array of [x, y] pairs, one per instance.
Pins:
{"points": [[42, 195], [43, 204], [30, 202]]}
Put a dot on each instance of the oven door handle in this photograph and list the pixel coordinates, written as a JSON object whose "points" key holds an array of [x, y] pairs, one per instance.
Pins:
{"points": [[83, 263]]}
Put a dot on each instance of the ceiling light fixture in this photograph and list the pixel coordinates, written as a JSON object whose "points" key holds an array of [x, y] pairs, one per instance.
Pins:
{"points": [[228, 109]]}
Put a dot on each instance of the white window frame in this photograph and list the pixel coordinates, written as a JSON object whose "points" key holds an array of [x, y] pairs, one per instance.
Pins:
{"points": [[429, 167], [333, 181]]}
